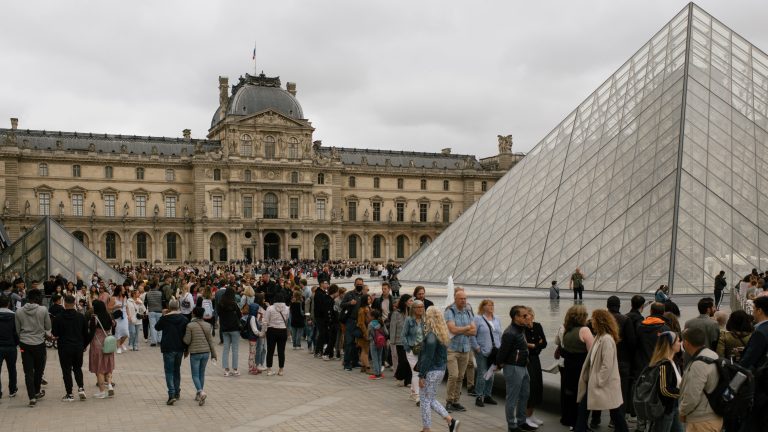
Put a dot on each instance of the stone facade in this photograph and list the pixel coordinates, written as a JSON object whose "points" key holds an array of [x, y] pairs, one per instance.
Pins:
{"points": [[258, 187]]}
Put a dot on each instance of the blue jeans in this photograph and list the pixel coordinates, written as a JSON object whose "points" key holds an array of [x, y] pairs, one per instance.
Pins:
{"points": [[133, 335], [668, 422], [376, 354], [296, 334], [483, 387], [350, 348], [154, 335], [231, 342], [198, 362], [518, 388], [261, 351], [172, 366]]}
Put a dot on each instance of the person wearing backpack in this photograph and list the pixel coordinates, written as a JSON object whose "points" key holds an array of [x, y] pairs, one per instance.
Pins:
{"points": [[229, 319], [377, 335], [254, 335], [755, 357], [699, 379], [667, 387]]}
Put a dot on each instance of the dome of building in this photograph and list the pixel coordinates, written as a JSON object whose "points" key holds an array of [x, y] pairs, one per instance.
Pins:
{"points": [[258, 93]]}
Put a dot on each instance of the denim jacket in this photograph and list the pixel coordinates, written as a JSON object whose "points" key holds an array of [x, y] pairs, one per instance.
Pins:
{"points": [[412, 332], [434, 355]]}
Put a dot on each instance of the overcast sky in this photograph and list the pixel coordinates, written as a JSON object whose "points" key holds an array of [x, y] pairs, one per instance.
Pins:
{"points": [[406, 75]]}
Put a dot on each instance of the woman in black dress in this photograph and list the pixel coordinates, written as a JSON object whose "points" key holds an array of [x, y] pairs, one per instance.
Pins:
{"points": [[575, 344], [537, 341]]}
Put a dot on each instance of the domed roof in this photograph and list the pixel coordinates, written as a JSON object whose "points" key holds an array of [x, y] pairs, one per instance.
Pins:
{"points": [[258, 93]]}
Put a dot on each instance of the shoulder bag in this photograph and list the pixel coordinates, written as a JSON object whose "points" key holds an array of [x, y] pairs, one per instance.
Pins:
{"points": [[494, 350], [109, 346]]}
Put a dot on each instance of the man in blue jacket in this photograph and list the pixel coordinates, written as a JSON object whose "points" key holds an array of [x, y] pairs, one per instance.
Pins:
{"points": [[173, 325], [755, 357]]}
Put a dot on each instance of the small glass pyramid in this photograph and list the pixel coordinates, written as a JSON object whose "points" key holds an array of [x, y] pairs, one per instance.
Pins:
{"points": [[49, 249], [659, 177]]}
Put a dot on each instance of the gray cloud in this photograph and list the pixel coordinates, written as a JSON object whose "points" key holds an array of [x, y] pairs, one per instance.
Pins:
{"points": [[400, 75]]}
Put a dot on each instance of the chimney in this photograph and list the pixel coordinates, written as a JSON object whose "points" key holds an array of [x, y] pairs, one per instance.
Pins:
{"points": [[223, 95], [446, 151], [291, 87], [14, 123], [187, 134]]}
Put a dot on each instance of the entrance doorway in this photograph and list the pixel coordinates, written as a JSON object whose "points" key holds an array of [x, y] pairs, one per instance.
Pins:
{"points": [[249, 255], [322, 247], [294, 253], [271, 246], [218, 247]]}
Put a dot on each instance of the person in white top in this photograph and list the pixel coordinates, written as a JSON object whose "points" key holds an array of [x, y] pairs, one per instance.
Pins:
{"points": [[276, 319], [136, 311]]}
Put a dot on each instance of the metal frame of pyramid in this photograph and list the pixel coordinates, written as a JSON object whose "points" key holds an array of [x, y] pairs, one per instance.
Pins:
{"points": [[49, 249], [658, 177]]}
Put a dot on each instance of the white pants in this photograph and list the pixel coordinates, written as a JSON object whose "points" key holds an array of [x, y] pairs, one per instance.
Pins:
{"points": [[412, 359]]}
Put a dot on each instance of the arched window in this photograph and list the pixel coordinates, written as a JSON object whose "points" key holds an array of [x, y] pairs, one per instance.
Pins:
{"points": [[484, 186], [321, 178], [377, 243], [294, 177], [270, 206], [446, 185], [216, 174], [171, 243], [110, 245], [269, 147], [247, 176], [80, 236], [141, 246], [400, 246], [76, 170], [352, 181], [246, 145], [424, 240], [139, 173], [108, 172], [423, 184], [42, 169], [293, 149]]}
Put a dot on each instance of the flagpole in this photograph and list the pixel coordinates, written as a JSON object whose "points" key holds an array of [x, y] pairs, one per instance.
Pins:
{"points": [[255, 71]]}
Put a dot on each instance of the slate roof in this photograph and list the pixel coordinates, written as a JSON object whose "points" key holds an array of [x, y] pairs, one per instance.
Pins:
{"points": [[105, 143], [374, 157]]}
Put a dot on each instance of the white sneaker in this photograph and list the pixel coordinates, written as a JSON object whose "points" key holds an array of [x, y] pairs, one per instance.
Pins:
{"points": [[119, 350], [110, 390], [100, 395], [536, 420]]}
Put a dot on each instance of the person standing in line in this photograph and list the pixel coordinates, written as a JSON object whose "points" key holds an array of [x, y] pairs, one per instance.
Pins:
{"points": [[154, 303], [705, 322], [229, 321], [297, 319], [255, 319], [396, 324], [720, 284], [199, 342], [576, 342], [100, 363], [33, 325], [71, 331], [484, 343], [577, 284], [9, 342], [374, 330], [699, 379], [413, 336], [667, 346], [512, 359], [460, 324], [432, 363], [625, 347], [276, 320], [174, 327], [537, 341], [600, 382], [350, 306], [754, 356]]}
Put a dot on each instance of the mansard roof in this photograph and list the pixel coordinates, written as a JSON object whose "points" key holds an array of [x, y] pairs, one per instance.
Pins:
{"points": [[404, 159]]}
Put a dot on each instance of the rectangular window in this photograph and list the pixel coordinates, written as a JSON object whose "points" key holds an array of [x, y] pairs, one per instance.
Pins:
{"points": [[170, 175], [446, 185], [109, 205], [375, 182], [75, 170], [170, 247], [400, 183], [446, 213], [108, 172], [170, 206], [293, 205], [400, 211], [141, 246], [139, 173], [352, 246], [377, 212], [320, 209], [77, 204], [217, 207], [377, 247], [45, 203], [423, 207], [141, 206], [247, 206], [352, 211]]}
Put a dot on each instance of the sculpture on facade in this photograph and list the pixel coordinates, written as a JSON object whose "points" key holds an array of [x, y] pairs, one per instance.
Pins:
{"points": [[413, 215], [505, 143], [26, 208], [389, 216], [365, 215]]}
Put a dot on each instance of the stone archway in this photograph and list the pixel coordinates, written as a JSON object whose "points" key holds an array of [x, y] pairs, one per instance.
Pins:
{"points": [[218, 251], [271, 246], [322, 247]]}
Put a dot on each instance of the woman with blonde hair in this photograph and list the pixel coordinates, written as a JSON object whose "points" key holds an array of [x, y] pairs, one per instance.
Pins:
{"points": [[431, 367], [663, 357], [599, 383]]}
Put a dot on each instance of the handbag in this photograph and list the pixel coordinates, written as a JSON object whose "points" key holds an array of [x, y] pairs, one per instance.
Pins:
{"points": [[494, 351], [109, 346], [118, 314]]}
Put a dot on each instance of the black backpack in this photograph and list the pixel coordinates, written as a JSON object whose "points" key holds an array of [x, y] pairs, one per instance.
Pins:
{"points": [[723, 400], [645, 396]]}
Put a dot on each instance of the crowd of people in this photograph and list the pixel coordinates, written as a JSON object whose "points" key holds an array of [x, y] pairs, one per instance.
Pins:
{"points": [[602, 356]]}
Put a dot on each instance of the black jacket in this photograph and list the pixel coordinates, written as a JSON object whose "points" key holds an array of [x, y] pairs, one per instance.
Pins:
{"points": [[626, 345], [669, 391], [8, 335], [229, 317], [377, 305], [514, 348], [173, 326], [323, 306], [71, 329], [647, 333]]}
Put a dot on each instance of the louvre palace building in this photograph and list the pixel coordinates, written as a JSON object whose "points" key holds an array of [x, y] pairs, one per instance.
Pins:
{"points": [[259, 187]]}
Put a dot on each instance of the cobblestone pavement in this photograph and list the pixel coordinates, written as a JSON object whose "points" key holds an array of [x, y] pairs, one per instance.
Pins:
{"points": [[314, 395]]}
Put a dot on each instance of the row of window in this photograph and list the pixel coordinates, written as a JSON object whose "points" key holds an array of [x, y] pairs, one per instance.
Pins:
{"points": [[377, 244], [246, 147], [140, 205], [42, 171], [352, 182], [172, 242]]}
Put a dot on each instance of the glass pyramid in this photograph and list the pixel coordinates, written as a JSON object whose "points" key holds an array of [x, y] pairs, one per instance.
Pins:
{"points": [[49, 249], [658, 177]]}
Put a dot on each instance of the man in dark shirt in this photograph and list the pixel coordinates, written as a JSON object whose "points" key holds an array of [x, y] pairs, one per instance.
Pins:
{"points": [[513, 358], [720, 285], [754, 357], [173, 325], [71, 331], [9, 342], [350, 304]]}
